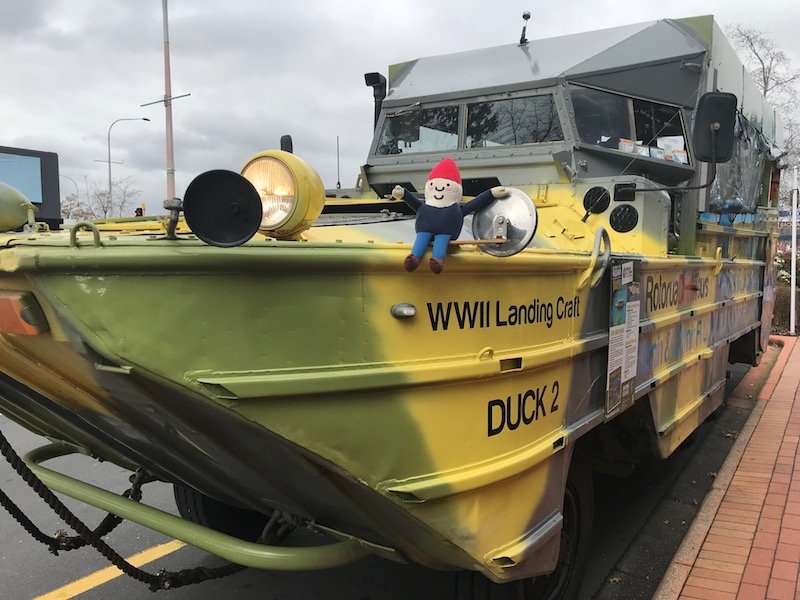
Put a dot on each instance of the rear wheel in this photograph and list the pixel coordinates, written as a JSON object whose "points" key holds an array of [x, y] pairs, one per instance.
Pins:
{"points": [[239, 522], [565, 582]]}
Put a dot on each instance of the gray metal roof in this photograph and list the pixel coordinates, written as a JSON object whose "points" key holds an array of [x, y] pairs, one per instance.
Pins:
{"points": [[541, 62]]}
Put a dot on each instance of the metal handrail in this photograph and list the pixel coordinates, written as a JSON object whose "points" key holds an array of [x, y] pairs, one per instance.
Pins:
{"points": [[249, 554], [593, 272]]}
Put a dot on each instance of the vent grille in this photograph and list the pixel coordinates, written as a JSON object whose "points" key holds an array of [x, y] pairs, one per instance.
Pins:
{"points": [[624, 218], [596, 200]]}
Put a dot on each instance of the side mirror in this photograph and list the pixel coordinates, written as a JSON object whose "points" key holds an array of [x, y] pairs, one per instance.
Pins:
{"points": [[712, 136]]}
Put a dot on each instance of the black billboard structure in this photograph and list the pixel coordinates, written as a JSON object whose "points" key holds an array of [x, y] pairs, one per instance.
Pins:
{"points": [[35, 174]]}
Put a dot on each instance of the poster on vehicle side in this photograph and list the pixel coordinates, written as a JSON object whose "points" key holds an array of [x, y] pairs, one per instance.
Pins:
{"points": [[623, 335]]}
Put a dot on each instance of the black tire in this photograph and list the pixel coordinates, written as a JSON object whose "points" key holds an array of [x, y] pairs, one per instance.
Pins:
{"points": [[239, 522], [565, 582]]}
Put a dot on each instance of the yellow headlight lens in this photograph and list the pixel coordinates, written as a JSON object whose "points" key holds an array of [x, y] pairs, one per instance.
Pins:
{"points": [[275, 184], [292, 194]]}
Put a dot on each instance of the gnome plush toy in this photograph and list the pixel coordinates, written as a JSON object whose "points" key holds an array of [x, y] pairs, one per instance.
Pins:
{"points": [[441, 216]]}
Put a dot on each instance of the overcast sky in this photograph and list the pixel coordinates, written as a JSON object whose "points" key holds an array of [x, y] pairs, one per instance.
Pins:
{"points": [[258, 69]]}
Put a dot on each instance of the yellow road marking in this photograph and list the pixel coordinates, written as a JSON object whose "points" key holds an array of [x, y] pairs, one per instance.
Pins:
{"points": [[98, 578]]}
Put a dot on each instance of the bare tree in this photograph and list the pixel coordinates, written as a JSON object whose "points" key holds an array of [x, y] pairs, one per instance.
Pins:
{"points": [[768, 64], [777, 78], [126, 194], [98, 204], [75, 209], [101, 203]]}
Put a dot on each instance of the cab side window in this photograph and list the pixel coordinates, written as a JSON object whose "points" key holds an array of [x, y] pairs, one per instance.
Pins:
{"points": [[630, 125]]}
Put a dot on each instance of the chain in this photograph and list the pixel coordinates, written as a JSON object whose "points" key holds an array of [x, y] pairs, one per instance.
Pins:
{"points": [[61, 541], [110, 521], [161, 580]]}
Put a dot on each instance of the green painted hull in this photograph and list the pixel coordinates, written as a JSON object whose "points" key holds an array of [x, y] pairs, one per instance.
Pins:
{"points": [[274, 375]]}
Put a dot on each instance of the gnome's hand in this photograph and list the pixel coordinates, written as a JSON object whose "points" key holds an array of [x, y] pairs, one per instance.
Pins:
{"points": [[398, 192], [500, 192]]}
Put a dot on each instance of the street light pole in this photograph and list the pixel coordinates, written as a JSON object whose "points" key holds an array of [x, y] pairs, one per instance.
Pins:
{"points": [[109, 146], [793, 262], [75, 183]]}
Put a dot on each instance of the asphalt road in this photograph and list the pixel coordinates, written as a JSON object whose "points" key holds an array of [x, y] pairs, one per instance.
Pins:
{"points": [[639, 523]]}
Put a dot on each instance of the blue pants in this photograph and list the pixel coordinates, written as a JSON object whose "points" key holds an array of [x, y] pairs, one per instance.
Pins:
{"points": [[423, 240]]}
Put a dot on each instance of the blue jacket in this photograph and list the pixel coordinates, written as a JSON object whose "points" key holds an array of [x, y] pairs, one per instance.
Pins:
{"points": [[450, 219]]}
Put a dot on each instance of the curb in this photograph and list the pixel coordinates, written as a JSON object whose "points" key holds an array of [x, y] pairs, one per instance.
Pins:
{"points": [[678, 572]]}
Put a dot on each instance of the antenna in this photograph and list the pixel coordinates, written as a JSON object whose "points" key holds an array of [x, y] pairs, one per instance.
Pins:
{"points": [[525, 16], [338, 178]]}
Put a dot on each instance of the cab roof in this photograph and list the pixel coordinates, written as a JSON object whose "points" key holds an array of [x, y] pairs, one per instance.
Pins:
{"points": [[539, 63]]}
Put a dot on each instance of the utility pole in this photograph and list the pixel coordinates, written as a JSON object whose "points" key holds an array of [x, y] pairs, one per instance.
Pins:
{"points": [[171, 203]]}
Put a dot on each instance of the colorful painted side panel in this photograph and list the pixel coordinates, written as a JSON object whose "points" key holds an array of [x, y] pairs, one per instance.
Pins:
{"points": [[691, 312], [745, 237], [680, 404]]}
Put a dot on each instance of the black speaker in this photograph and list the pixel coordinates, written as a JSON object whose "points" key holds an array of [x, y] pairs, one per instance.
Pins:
{"points": [[222, 208]]}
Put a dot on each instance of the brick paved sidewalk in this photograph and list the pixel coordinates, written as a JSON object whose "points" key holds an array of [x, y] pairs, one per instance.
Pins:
{"points": [[745, 541]]}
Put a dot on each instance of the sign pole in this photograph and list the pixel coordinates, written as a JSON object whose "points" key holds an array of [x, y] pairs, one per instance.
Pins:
{"points": [[793, 299]]}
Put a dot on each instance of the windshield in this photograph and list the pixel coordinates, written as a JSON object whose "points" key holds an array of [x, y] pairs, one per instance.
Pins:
{"points": [[420, 130], [513, 122], [629, 124], [489, 124]]}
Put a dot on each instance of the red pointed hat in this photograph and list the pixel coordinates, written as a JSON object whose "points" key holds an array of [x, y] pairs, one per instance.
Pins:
{"points": [[446, 169]]}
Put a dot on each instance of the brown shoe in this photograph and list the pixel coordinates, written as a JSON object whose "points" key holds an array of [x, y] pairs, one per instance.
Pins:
{"points": [[411, 263], [437, 265]]}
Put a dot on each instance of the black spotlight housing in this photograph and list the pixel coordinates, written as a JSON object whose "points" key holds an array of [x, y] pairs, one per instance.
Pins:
{"points": [[222, 208]]}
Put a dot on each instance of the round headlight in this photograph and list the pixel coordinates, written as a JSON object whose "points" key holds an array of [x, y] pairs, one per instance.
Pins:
{"points": [[291, 192]]}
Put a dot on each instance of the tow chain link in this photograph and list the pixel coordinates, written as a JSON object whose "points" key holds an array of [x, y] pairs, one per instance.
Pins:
{"points": [[162, 580]]}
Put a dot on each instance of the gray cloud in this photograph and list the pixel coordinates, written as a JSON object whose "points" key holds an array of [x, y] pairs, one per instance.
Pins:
{"points": [[18, 19], [256, 70]]}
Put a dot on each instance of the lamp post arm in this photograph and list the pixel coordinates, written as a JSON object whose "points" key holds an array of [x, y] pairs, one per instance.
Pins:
{"points": [[109, 147]]}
